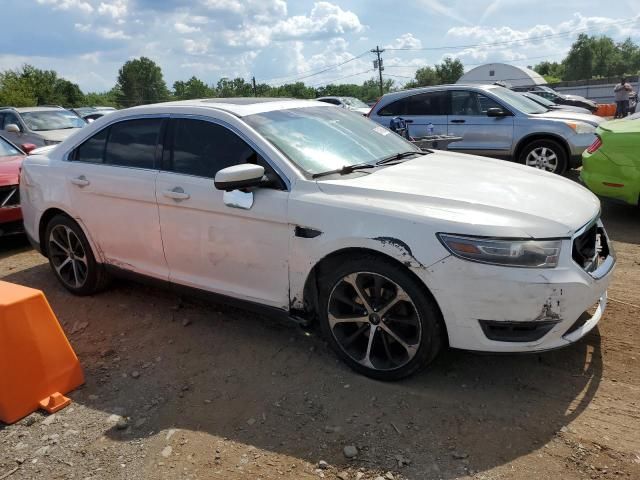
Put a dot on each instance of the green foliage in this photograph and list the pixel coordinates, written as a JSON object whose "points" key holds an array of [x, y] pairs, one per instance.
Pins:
{"points": [[30, 86], [425, 77], [140, 82], [192, 88], [450, 70]]}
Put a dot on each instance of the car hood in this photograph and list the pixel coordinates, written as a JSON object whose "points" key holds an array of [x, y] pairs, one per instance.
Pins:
{"points": [[472, 195], [569, 115], [10, 170], [578, 98], [58, 135], [571, 108], [362, 110]]}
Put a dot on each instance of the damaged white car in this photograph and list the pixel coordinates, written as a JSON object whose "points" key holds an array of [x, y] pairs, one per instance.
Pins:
{"points": [[323, 215]]}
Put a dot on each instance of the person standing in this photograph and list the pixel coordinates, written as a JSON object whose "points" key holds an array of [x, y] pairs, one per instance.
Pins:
{"points": [[622, 91]]}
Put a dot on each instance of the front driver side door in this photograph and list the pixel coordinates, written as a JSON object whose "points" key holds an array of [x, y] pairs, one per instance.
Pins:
{"points": [[212, 246]]}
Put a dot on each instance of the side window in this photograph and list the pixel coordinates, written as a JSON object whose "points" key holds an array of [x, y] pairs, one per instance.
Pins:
{"points": [[464, 103], [430, 103], [8, 118], [133, 143], [332, 101], [486, 103], [398, 107], [203, 148], [92, 150]]}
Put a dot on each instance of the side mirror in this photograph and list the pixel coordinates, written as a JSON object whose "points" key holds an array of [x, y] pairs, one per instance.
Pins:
{"points": [[12, 128], [238, 177], [28, 147], [496, 112]]}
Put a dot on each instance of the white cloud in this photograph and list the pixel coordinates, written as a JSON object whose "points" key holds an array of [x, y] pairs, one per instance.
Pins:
{"points": [[184, 28], [117, 9], [110, 34], [196, 47], [261, 10], [406, 40], [325, 19], [438, 7], [492, 7], [75, 5]]}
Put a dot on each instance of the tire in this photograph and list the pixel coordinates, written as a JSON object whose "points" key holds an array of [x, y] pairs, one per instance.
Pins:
{"points": [[76, 267], [392, 305], [546, 155]]}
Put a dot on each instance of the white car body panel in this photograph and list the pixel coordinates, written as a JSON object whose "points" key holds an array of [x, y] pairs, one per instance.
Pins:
{"points": [[255, 255]]}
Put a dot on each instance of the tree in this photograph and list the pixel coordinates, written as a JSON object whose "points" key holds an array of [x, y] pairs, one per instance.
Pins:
{"points": [[140, 82], [67, 93], [578, 64], [102, 99], [192, 88], [14, 91], [424, 77], [450, 70]]}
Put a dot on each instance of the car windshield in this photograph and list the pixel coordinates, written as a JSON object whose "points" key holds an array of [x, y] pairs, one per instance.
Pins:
{"points": [[319, 139], [520, 102], [52, 120], [354, 102], [547, 89], [539, 99], [8, 150]]}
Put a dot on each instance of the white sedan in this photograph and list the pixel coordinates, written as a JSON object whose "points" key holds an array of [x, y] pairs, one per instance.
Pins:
{"points": [[321, 214]]}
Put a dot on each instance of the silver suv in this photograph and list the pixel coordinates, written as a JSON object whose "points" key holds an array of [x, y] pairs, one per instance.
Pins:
{"points": [[38, 125], [493, 121]]}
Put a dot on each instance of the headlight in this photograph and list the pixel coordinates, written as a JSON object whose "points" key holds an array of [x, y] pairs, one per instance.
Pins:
{"points": [[509, 253], [581, 127]]}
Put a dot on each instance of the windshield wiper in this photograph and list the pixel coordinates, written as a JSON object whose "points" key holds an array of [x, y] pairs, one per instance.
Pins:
{"points": [[399, 156], [346, 169]]}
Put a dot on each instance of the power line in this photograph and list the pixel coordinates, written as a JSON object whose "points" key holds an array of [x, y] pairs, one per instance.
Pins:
{"points": [[339, 78], [508, 42], [290, 78]]}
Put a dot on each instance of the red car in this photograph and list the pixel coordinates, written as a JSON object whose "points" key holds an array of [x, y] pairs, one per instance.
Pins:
{"points": [[10, 161]]}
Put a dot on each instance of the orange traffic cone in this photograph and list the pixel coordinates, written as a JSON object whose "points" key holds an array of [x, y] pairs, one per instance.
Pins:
{"points": [[37, 363]]}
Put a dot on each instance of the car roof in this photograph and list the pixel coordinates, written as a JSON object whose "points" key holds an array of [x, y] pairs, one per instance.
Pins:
{"points": [[37, 109], [239, 106], [435, 88]]}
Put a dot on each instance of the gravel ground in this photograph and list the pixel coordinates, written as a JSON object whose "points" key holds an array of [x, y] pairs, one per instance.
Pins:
{"points": [[181, 389]]}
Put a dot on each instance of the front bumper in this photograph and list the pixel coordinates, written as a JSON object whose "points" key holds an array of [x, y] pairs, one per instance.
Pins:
{"points": [[471, 293]]}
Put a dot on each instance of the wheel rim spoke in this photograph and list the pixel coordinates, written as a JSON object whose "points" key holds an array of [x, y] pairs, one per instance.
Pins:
{"points": [[374, 321], [68, 256]]}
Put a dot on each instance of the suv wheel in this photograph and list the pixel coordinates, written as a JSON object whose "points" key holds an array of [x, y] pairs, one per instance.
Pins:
{"points": [[71, 258], [545, 155], [378, 319]]}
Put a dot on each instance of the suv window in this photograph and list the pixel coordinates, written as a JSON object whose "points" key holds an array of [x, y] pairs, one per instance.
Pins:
{"points": [[92, 150], [429, 103], [332, 101], [203, 148], [132, 143], [7, 118], [471, 103]]}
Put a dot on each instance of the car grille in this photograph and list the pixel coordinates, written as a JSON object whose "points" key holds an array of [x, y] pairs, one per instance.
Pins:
{"points": [[590, 248], [9, 196]]}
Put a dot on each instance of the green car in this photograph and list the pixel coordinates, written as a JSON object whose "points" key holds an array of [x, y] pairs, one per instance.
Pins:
{"points": [[611, 165]]}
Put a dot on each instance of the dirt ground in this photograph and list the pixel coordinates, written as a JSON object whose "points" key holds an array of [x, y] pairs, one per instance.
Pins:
{"points": [[181, 389]]}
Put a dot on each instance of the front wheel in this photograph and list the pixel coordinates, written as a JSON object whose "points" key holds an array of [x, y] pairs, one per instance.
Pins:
{"points": [[71, 258], [545, 155], [378, 318]]}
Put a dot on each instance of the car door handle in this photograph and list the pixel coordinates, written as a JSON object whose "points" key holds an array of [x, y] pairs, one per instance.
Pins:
{"points": [[176, 193], [458, 121], [80, 181]]}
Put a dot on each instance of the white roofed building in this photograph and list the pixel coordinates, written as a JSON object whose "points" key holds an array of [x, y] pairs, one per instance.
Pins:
{"points": [[501, 72]]}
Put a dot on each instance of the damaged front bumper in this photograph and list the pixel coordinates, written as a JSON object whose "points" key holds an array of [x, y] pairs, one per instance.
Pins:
{"points": [[504, 309]]}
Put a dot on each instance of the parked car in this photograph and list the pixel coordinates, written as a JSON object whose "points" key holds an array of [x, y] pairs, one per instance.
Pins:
{"points": [[611, 166], [561, 99], [554, 106], [38, 125], [350, 103], [493, 121], [10, 161], [313, 212]]}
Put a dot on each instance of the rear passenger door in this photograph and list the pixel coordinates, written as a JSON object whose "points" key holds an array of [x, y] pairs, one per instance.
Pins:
{"points": [[111, 183], [213, 246], [419, 111], [481, 134]]}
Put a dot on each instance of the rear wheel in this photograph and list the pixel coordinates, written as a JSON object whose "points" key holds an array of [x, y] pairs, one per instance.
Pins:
{"points": [[71, 258], [546, 155], [378, 318]]}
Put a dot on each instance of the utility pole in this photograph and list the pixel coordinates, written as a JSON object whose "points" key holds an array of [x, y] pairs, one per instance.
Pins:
{"points": [[253, 82], [378, 64]]}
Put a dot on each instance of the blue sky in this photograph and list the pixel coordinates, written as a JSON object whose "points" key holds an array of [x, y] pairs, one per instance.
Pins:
{"points": [[278, 41]]}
